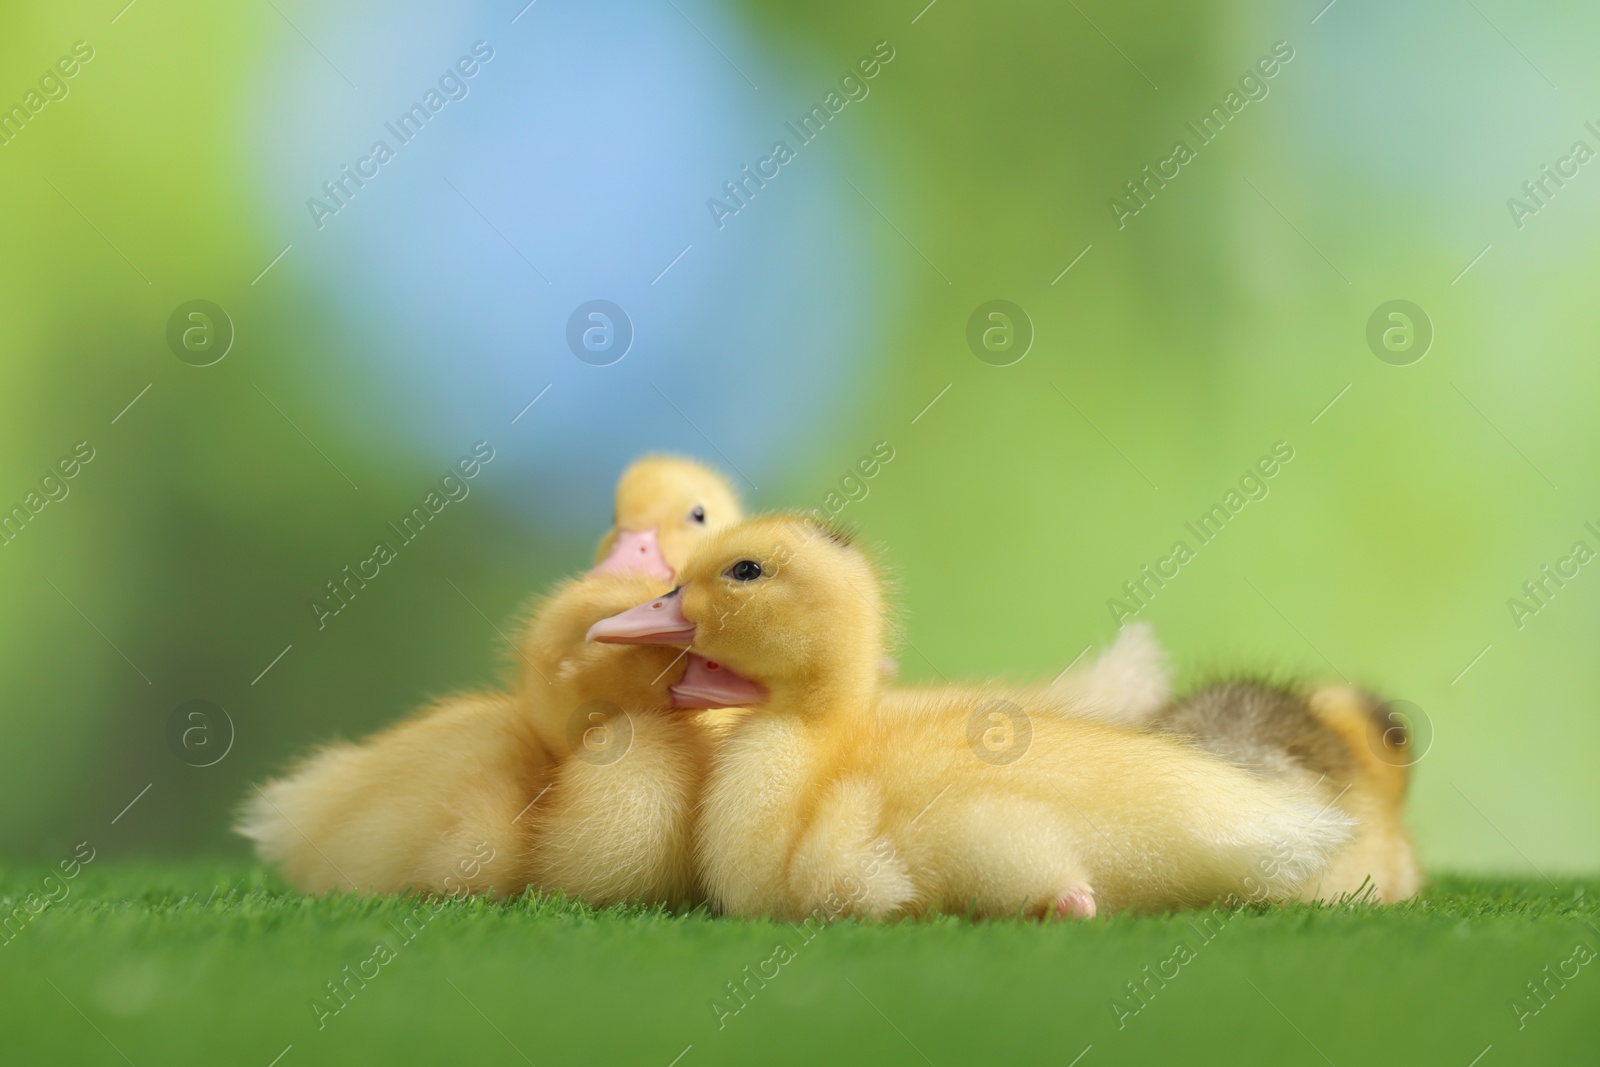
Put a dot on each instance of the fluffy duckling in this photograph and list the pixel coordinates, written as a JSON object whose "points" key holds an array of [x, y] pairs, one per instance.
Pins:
{"points": [[990, 802], [665, 505], [654, 532], [445, 801], [615, 820], [393, 812], [449, 800], [1337, 742]]}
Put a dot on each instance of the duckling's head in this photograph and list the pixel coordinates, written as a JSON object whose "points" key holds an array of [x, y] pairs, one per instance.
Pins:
{"points": [[665, 508], [778, 605], [579, 671]]}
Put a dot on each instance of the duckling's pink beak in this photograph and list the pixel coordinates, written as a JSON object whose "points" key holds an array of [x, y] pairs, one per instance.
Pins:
{"points": [[636, 550], [706, 684], [660, 622]]}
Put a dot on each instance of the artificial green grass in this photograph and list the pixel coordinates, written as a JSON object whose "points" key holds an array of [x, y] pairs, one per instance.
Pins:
{"points": [[219, 964]]}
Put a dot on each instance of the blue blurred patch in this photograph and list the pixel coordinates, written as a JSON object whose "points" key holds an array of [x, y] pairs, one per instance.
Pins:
{"points": [[572, 164]]}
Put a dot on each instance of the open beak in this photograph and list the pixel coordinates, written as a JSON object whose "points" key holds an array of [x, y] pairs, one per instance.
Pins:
{"points": [[636, 550], [707, 684], [660, 622]]}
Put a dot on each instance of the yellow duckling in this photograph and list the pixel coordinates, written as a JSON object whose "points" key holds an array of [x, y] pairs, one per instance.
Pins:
{"points": [[827, 798], [428, 803], [665, 505], [482, 792], [451, 799], [614, 817], [617, 820]]}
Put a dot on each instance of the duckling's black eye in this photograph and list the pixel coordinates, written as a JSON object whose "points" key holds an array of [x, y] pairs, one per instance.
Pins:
{"points": [[698, 514], [746, 570]]}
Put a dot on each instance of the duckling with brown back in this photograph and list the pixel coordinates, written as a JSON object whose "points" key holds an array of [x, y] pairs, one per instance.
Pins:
{"points": [[1335, 741]]}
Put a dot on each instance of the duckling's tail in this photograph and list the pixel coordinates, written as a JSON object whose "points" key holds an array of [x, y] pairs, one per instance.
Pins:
{"points": [[275, 815], [1127, 685]]}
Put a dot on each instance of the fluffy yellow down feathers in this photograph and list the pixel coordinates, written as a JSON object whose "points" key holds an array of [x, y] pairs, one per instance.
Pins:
{"points": [[703, 715]]}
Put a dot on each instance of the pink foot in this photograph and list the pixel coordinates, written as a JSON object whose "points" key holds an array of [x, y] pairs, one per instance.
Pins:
{"points": [[1074, 904]]}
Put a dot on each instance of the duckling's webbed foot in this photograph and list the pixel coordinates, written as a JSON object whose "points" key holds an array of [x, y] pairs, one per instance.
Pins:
{"points": [[1076, 903]]}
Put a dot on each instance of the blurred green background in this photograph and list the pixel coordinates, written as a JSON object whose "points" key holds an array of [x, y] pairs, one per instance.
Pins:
{"points": [[1176, 350]]}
